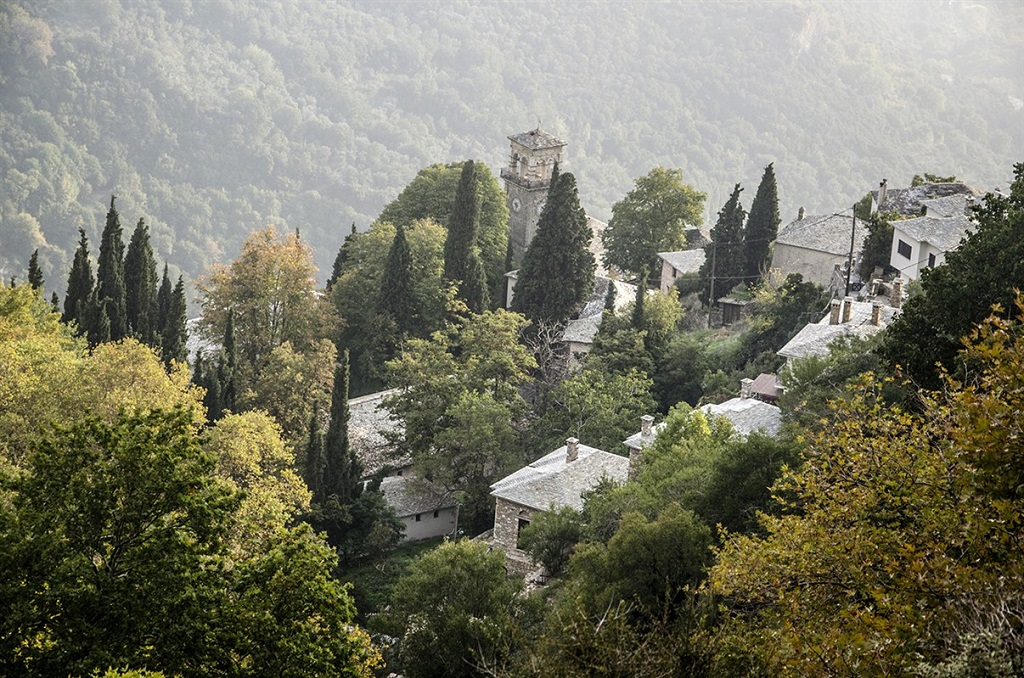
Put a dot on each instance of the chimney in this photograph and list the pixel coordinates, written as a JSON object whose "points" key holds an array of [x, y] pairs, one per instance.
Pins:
{"points": [[571, 449], [883, 189], [847, 309], [800, 214], [646, 427], [833, 318], [876, 313], [745, 387], [897, 292]]}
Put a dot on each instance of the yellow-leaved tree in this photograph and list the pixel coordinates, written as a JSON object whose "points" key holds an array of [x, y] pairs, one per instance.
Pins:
{"points": [[903, 537]]}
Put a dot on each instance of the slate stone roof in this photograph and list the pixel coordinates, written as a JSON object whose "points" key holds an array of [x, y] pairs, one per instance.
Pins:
{"points": [[368, 422], [637, 440], [536, 139], [815, 338], [824, 233], [908, 201], [551, 481], [765, 385], [583, 329], [687, 261], [409, 496], [748, 415], [944, 233], [950, 206]]}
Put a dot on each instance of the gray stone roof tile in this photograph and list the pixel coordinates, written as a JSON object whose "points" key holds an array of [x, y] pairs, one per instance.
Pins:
{"points": [[748, 415], [908, 201], [536, 139], [687, 261], [409, 496], [551, 481], [944, 233], [823, 233]]}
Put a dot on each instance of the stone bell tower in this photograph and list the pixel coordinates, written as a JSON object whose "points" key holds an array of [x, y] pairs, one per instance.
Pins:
{"points": [[527, 177]]}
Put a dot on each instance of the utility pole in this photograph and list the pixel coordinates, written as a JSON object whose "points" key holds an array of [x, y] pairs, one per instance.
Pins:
{"points": [[711, 297], [849, 262]]}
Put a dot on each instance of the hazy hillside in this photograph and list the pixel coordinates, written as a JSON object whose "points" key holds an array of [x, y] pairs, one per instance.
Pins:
{"points": [[213, 118]]}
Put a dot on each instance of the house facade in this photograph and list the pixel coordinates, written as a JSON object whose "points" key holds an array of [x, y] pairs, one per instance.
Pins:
{"points": [[674, 265], [426, 512], [814, 246], [556, 480]]}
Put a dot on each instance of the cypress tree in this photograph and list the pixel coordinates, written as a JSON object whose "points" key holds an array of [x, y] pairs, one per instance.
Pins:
{"points": [[609, 297], [557, 274], [762, 225], [141, 281], [80, 285], [342, 468], [638, 307], [726, 250], [175, 337], [396, 299], [313, 471], [35, 274], [163, 303], [55, 302], [340, 259], [462, 264], [110, 282], [226, 365], [98, 320]]}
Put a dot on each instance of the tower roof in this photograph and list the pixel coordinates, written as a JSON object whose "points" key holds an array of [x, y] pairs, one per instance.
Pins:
{"points": [[536, 139]]}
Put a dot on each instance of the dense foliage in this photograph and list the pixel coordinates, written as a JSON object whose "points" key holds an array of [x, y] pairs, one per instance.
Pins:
{"points": [[208, 118]]}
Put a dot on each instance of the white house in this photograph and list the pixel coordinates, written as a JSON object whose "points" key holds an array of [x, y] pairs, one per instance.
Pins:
{"points": [[922, 242], [676, 264], [425, 510]]}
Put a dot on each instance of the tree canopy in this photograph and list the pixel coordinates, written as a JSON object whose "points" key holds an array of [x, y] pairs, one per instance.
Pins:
{"points": [[652, 218]]}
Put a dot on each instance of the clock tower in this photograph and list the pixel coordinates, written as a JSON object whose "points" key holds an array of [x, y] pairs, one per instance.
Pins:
{"points": [[527, 177]]}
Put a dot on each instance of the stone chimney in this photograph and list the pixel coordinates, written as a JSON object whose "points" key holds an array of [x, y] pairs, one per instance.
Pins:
{"points": [[897, 292], [847, 309], [883, 189], [876, 313], [571, 449], [833, 318], [800, 214], [746, 384], [646, 427]]}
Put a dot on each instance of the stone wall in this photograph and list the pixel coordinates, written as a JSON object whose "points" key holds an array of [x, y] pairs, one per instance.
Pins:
{"points": [[506, 523]]}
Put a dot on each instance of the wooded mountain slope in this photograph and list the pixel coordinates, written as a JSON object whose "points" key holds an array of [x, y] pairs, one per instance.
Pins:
{"points": [[213, 118]]}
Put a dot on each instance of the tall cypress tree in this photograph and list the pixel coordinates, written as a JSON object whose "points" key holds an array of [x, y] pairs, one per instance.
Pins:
{"points": [[35, 274], [97, 319], [557, 273], [226, 365], [762, 225], [726, 250], [141, 281], [396, 299], [163, 303], [80, 286], [342, 468], [340, 259], [313, 470], [175, 336], [462, 263], [110, 283]]}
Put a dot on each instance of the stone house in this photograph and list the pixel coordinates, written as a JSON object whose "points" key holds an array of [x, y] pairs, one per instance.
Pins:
{"points": [[814, 246], [677, 264], [425, 510], [922, 242], [845, 317], [558, 479]]}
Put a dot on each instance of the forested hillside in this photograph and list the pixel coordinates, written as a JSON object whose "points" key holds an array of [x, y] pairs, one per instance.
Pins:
{"points": [[214, 118]]}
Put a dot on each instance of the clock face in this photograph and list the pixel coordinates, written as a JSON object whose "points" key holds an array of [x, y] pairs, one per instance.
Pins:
{"points": [[516, 205]]}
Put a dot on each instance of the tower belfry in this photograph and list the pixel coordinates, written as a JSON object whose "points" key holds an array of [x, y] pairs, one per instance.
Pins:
{"points": [[527, 176]]}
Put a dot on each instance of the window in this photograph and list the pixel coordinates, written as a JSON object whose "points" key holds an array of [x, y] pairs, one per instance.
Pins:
{"points": [[519, 529], [417, 517], [931, 261], [904, 249], [437, 513]]}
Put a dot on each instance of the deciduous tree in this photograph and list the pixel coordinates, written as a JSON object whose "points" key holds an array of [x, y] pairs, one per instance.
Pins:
{"points": [[651, 218]]}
